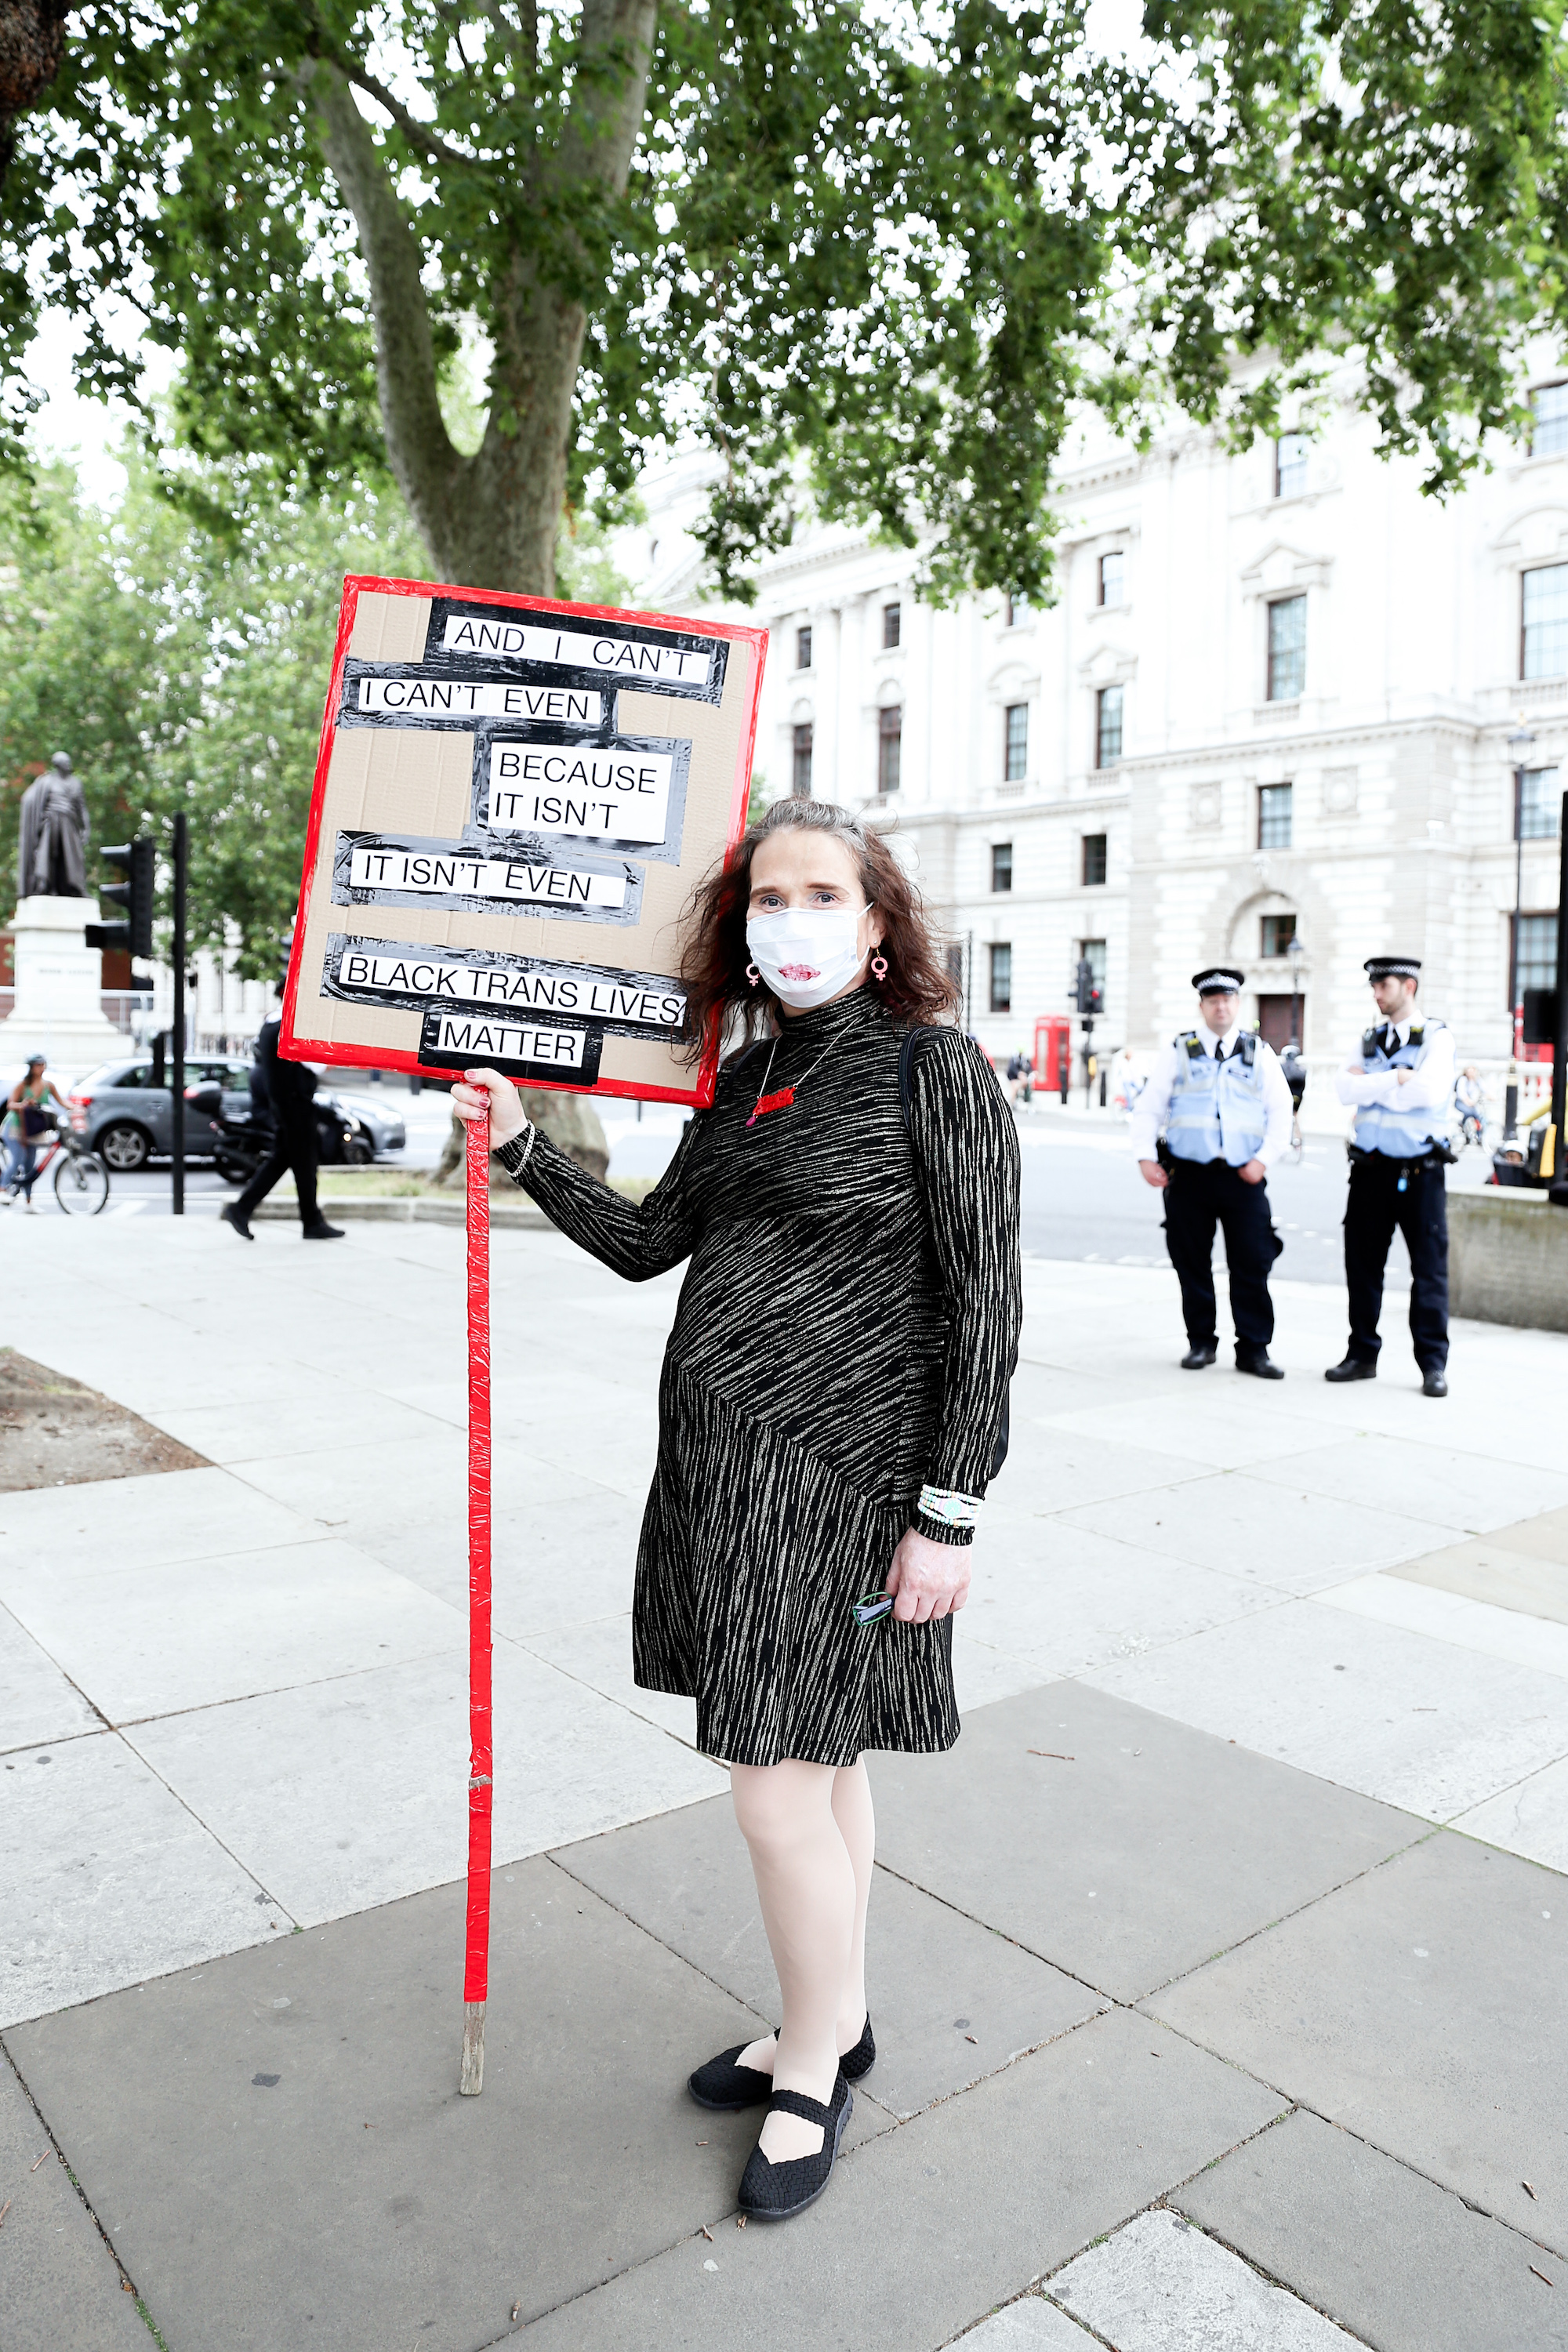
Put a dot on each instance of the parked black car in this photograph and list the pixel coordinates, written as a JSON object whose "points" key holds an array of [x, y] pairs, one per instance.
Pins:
{"points": [[119, 1113]]}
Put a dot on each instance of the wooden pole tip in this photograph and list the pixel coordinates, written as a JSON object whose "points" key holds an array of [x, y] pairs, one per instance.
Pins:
{"points": [[471, 2081]]}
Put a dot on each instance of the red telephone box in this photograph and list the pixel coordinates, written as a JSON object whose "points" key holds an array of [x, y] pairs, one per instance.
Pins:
{"points": [[1053, 1052]]}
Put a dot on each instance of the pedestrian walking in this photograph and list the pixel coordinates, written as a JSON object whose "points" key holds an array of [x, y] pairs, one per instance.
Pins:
{"points": [[829, 1408], [285, 1091], [29, 1122], [1401, 1082], [1213, 1115]]}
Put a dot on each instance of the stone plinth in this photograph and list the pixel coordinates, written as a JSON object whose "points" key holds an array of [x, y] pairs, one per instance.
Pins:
{"points": [[1508, 1258], [58, 983]]}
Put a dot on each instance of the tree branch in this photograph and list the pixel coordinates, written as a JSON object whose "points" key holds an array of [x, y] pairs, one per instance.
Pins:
{"points": [[418, 446]]}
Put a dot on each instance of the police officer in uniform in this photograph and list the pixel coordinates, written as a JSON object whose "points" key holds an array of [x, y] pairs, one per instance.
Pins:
{"points": [[1220, 1095], [1401, 1084]]}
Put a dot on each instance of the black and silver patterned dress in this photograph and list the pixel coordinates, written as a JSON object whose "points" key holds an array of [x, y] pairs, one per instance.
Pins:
{"points": [[845, 1335]]}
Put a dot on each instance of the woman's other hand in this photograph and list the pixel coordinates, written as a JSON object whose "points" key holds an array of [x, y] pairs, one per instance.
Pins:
{"points": [[485, 1094], [926, 1579]]}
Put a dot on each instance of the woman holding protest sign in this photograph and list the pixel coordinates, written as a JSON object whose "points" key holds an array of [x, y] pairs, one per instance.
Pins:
{"points": [[832, 1405]]}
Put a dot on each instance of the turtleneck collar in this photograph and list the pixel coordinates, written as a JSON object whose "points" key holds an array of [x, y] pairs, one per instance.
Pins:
{"points": [[855, 1010]]}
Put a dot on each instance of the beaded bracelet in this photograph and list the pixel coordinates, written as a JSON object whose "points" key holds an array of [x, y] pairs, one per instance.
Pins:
{"points": [[948, 1508]]}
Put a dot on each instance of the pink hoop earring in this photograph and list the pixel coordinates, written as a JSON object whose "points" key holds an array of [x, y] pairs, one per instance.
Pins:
{"points": [[879, 966], [752, 974]]}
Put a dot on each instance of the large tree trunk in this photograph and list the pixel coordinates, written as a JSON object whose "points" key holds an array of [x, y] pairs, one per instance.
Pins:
{"points": [[490, 519], [32, 43]]}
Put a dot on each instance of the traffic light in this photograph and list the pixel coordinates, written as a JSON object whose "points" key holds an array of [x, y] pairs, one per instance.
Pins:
{"points": [[134, 894], [1087, 995]]}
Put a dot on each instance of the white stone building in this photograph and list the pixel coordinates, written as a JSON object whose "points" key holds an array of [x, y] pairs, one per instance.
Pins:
{"points": [[1273, 699]]}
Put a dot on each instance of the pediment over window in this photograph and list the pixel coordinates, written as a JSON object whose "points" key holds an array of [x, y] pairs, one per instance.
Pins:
{"points": [[1284, 569]]}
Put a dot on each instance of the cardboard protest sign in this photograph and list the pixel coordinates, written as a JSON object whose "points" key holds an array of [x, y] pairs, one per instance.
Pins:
{"points": [[512, 801]]}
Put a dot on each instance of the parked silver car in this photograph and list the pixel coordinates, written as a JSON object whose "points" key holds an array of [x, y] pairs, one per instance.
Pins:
{"points": [[119, 1114]]}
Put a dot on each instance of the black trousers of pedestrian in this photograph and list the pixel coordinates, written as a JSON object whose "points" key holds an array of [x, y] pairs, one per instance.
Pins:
{"points": [[1201, 1195], [1375, 1206], [295, 1145]]}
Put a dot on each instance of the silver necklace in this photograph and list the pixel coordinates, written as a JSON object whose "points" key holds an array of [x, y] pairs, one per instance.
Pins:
{"points": [[786, 1096]]}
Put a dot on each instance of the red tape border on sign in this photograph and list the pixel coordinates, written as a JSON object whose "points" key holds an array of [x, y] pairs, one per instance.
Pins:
{"points": [[481, 1738]]}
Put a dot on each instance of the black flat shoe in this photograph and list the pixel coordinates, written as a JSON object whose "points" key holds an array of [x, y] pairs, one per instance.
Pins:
{"points": [[1434, 1384], [1352, 1369], [775, 2192], [1201, 1354], [729, 2087], [1262, 1366]]}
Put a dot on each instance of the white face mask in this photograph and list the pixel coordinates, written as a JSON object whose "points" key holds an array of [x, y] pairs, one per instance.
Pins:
{"points": [[807, 954]]}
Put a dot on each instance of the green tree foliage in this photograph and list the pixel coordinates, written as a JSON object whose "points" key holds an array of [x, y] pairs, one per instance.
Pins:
{"points": [[875, 256], [180, 650]]}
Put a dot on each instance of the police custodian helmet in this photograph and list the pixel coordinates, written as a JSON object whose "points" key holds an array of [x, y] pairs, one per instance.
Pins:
{"points": [[1218, 978]]}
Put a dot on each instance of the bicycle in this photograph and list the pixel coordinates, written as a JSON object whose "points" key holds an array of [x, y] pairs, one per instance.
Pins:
{"points": [[80, 1179]]}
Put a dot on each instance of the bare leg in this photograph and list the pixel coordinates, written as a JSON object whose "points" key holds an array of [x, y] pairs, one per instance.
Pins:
{"points": [[807, 1886], [857, 1822], [857, 1826]]}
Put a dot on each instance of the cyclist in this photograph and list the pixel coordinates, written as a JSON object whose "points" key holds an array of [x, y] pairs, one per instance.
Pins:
{"points": [[28, 1119], [1469, 1101]]}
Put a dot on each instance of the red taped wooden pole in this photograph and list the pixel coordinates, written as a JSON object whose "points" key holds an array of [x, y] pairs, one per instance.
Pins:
{"points": [[481, 1745]]}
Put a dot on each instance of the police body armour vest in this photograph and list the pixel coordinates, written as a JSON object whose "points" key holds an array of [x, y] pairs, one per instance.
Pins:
{"points": [[1216, 1108], [1402, 1134]]}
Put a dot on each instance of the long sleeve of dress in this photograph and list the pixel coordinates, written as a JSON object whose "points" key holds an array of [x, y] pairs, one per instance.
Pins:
{"points": [[636, 1239], [966, 1152]]}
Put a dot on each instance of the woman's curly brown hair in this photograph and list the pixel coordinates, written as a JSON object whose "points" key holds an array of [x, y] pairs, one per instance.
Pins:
{"points": [[917, 988]]}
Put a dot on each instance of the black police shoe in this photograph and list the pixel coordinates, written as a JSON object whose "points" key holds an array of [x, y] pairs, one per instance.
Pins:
{"points": [[1203, 1352], [1434, 1384], [1355, 1368], [1260, 1364]]}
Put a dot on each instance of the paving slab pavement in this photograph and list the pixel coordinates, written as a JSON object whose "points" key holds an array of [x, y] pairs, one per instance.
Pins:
{"points": [[1160, 2286], [1426, 2008], [1133, 1852], [1136, 1588], [61, 2287], [277, 2151], [935, 2224], [1405, 2264], [954, 1999]]}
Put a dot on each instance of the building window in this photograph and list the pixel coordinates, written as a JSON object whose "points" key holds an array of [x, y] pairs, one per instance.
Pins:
{"points": [[1001, 866], [1278, 931], [891, 622], [890, 747], [1017, 612], [802, 648], [1107, 727], [1287, 648], [1544, 651], [1290, 464], [1538, 805], [1092, 952], [1549, 420], [1274, 817], [1537, 965], [800, 771], [1093, 859], [1112, 577], [1001, 979], [1015, 757]]}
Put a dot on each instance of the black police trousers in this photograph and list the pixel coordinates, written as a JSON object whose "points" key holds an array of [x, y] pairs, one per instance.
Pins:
{"points": [[296, 1145], [1375, 1206], [1201, 1195]]}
